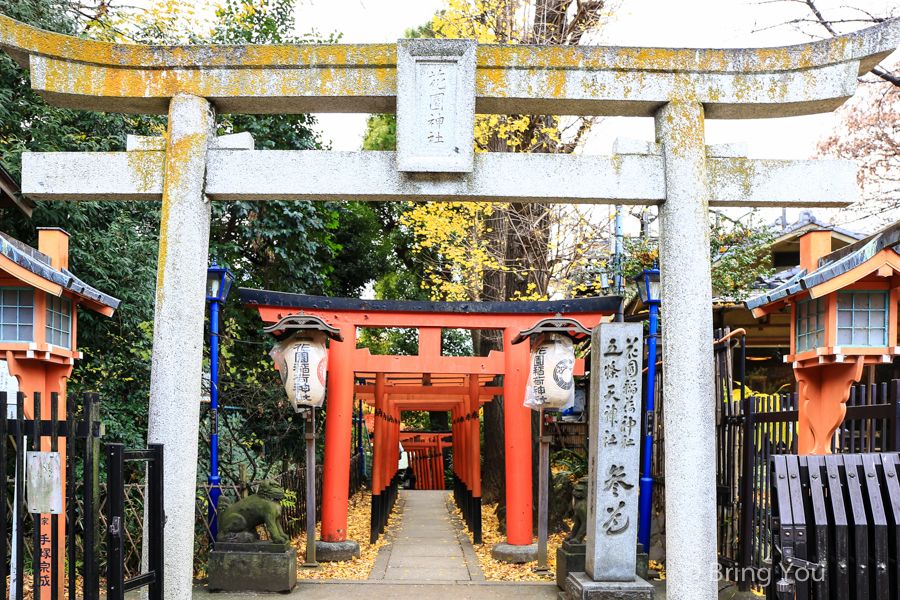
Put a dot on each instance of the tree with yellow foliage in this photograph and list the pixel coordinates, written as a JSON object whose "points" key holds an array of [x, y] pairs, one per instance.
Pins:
{"points": [[506, 251], [510, 251]]}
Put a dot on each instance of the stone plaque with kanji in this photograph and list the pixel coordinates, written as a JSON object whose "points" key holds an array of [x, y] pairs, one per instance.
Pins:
{"points": [[614, 451], [435, 105]]}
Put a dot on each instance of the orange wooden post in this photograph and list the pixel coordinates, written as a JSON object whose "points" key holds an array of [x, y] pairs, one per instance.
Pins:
{"points": [[475, 441], [438, 475], [822, 398], [440, 459], [454, 445], [395, 441], [423, 476], [517, 420], [378, 458], [338, 428], [45, 378], [463, 448], [380, 434]]}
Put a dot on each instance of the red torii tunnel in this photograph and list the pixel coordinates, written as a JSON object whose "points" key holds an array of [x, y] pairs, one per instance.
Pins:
{"points": [[425, 453], [457, 384]]}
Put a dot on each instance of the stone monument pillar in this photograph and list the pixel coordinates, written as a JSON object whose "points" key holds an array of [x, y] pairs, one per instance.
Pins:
{"points": [[614, 469]]}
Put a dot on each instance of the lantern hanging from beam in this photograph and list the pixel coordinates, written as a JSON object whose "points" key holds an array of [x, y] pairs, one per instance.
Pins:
{"points": [[551, 383], [550, 380], [302, 361]]}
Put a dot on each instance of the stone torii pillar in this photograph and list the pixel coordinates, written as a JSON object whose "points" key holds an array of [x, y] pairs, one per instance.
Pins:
{"points": [[436, 86]]}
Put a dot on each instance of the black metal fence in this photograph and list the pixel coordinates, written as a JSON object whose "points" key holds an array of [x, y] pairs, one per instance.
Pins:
{"points": [[87, 506], [835, 527], [37, 536]]}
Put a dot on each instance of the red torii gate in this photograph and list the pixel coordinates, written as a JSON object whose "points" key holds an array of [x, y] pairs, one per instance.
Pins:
{"points": [[463, 395], [425, 451]]}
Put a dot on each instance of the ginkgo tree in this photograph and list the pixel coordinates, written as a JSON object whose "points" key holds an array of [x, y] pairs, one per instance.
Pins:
{"points": [[505, 251], [511, 251]]}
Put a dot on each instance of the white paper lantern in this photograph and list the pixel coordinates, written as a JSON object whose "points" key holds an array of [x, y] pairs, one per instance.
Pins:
{"points": [[550, 381], [303, 364]]}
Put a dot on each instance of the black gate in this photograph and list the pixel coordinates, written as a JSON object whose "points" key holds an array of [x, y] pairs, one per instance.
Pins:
{"points": [[82, 527], [44, 549], [116, 584]]}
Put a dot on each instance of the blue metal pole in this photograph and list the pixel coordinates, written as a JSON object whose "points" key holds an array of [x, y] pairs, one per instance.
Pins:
{"points": [[214, 480], [646, 493]]}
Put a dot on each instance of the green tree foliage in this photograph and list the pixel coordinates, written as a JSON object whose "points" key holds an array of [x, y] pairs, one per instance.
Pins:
{"points": [[739, 251], [305, 247]]}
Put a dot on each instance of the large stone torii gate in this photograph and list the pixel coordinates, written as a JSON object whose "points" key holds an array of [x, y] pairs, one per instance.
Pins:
{"points": [[680, 88]]}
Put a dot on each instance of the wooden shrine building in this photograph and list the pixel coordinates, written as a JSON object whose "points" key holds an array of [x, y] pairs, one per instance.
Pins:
{"points": [[843, 315], [39, 300]]}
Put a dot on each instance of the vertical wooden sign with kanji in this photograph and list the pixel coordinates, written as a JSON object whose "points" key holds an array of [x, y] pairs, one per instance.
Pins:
{"points": [[614, 451]]}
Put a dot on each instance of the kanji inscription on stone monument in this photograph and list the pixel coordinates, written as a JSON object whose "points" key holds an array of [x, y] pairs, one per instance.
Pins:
{"points": [[616, 351], [435, 105]]}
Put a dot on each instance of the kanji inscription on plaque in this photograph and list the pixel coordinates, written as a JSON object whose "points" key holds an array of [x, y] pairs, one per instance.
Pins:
{"points": [[435, 106], [617, 353]]}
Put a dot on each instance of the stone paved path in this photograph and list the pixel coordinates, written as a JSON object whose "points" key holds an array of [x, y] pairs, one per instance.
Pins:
{"points": [[429, 544]]}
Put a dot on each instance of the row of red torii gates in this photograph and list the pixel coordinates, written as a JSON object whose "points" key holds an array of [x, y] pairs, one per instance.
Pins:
{"points": [[427, 382]]}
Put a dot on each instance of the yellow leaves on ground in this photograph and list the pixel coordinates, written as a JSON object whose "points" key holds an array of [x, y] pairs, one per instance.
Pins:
{"points": [[495, 570], [659, 568], [358, 519]]}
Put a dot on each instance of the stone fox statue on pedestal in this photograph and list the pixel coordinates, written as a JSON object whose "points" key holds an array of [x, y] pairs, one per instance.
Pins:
{"points": [[579, 524], [238, 521]]}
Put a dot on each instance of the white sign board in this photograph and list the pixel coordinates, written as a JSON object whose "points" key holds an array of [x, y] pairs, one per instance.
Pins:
{"points": [[43, 476], [10, 385]]}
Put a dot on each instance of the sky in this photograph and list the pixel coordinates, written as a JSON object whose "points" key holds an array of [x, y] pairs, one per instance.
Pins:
{"points": [[654, 23]]}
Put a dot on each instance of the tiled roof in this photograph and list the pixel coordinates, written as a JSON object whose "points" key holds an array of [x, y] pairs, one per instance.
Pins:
{"points": [[831, 265], [39, 263]]}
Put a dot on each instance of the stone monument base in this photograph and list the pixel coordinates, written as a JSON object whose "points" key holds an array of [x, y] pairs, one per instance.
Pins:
{"points": [[336, 551], [581, 587], [514, 554], [643, 563], [569, 559], [257, 567]]}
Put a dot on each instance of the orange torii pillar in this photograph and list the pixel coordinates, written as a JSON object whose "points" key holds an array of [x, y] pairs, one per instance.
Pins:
{"points": [[457, 457], [379, 464], [517, 419], [439, 457], [425, 467], [474, 454], [423, 476], [334, 544], [395, 455]]}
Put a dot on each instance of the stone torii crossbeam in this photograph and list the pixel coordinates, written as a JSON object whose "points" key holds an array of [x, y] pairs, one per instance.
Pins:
{"points": [[679, 88]]}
